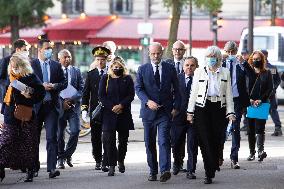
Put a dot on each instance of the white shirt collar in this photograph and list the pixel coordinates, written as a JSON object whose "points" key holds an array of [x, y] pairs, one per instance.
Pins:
{"points": [[69, 67]]}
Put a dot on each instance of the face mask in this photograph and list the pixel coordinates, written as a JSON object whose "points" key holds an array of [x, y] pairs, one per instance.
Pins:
{"points": [[211, 61], [25, 54], [118, 72], [48, 53], [232, 58], [15, 71], [257, 63]]}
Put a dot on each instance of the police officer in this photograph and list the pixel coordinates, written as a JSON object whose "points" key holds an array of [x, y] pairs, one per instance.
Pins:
{"points": [[273, 99]]}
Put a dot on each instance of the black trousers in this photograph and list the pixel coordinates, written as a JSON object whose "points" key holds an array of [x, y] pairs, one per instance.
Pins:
{"points": [[210, 122], [255, 126], [112, 152]]}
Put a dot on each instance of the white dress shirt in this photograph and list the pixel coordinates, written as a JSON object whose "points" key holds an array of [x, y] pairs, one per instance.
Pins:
{"points": [[69, 73], [105, 70], [213, 88]]}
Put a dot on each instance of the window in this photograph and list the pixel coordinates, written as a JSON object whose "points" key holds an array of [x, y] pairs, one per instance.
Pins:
{"points": [[73, 6], [121, 6], [263, 8]]}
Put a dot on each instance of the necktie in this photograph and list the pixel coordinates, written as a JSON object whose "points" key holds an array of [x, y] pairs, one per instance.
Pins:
{"points": [[101, 73], [66, 75], [188, 85], [177, 68], [157, 76], [231, 70], [47, 96]]}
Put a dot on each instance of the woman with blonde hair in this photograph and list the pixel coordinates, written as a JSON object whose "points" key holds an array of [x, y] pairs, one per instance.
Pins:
{"points": [[116, 92], [19, 138]]}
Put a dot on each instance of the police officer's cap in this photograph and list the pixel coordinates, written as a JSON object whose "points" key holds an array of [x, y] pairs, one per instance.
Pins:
{"points": [[100, 51]]}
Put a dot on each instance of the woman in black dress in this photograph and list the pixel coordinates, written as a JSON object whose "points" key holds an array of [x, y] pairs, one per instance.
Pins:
{"points": [[116, 92], [18, 141]]}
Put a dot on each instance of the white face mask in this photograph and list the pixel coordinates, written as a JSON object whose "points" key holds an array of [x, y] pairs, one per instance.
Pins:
{"points": [[25, 54]]}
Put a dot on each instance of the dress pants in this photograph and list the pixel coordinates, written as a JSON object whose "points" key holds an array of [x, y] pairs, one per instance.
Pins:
{"points": [[48, 115], [160, 123], [210, 122], [113, 153], [255, 126], [73, 118], [274, 113]]}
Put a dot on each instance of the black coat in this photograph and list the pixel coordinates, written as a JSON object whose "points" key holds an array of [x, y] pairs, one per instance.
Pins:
{"points": [[90, 91], [17, 98], [119, 91]]}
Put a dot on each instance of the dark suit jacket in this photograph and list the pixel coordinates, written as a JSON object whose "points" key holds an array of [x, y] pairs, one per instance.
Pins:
{"points": [[241, 84], [146, 89], [119, 91], [56, 77], [171, 61], [90, 92]]}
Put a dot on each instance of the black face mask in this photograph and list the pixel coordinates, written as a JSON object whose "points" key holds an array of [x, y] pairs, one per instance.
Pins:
{"points": [[257, 63], [118, 72]]}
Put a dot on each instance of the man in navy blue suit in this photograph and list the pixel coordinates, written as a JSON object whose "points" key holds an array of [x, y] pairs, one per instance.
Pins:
{"points": [[51, 74], [157, 88], [181, 128], [70, 110]]}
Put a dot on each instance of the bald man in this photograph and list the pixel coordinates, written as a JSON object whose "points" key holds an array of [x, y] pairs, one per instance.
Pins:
{"points": [[157, 88], [178, 56]]}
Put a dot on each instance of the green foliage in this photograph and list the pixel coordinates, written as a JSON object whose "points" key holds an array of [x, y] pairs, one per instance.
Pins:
{"points": [[30, 12]]}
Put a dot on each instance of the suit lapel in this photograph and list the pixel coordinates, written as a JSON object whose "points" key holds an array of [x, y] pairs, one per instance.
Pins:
{"points": [[52, 71], [38, 70], [164, 74], [151, 74]]}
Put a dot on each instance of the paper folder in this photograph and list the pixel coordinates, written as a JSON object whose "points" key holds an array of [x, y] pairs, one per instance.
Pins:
{"points": [[259, 112]]}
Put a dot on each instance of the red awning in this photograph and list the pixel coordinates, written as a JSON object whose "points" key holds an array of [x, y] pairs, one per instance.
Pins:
{"points": [[77, 29], [123, 31]]}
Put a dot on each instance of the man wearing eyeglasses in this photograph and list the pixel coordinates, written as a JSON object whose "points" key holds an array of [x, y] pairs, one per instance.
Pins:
{"points": [[178, 53]]}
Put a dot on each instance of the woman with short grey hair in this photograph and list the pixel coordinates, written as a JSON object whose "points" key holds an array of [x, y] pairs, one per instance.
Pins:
{"points": [[210, 104]]}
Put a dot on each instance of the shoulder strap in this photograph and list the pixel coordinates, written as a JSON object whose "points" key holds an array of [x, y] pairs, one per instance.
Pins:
{"points": [[254, 85], [107, 82]]}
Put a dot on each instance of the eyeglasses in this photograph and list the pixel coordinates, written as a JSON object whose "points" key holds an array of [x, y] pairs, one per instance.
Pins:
{"points": [[178, 49]]}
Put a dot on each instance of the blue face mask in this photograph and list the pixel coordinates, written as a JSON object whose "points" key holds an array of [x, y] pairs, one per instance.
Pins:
{"points": [[232, 58], [211, 61], [48, 53]]}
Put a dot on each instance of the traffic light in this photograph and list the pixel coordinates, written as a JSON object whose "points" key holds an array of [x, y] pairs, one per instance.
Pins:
{"points": [[145, 41], [214, 18]]}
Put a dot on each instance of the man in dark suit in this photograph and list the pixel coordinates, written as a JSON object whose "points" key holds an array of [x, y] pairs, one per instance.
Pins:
{"points": [[20, 46], [240, 97], [181, 127], [178, 59], [90, 101], [51, 74], [69, 109], [157, 88]]}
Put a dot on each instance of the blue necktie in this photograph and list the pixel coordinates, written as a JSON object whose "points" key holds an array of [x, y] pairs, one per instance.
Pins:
{"points": [[177, 68], [45, 79]]}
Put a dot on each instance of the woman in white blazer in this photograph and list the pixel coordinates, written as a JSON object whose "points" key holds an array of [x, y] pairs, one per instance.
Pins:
{"points": [[210, 104]]}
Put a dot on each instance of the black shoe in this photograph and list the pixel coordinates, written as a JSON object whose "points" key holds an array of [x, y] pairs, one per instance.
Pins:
{"points": [[190, 175], [98, 166], [152, 177], [30, 176], [104, 168], [69, 161], [251, 157], [207, 180], [235, 165], [121, 167], [2, 174], [61, 164], [261, 156], [36, 174], [277, 133], [111, 170], [165, 176], [54, 173], [176, 169]]}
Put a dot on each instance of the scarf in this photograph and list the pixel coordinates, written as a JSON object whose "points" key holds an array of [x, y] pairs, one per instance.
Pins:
{"points": [[12, 77]]}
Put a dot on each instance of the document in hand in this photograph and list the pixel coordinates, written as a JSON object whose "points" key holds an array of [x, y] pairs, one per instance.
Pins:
{"points": [[19, 85], [68, 92], [259, 112]]}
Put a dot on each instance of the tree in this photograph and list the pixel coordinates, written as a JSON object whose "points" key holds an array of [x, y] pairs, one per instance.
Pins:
{"points": [[176, 8], [18, 14]]}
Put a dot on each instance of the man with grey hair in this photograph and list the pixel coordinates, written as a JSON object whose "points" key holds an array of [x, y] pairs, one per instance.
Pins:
{"points": [[157, 88], [69, 109], [178, 53], [240, 97]]}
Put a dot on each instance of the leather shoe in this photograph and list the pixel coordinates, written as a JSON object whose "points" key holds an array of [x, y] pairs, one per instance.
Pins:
{"points": [[61, 164], [30, 176], [235, 165], [152, 177], [251, 157], [190, 175], [176, 169], [98, 166], [207, 180], [104, 168], [54, 173], [121, 167], [69, 161], [277, 133], [111, 170], [165, 176]]}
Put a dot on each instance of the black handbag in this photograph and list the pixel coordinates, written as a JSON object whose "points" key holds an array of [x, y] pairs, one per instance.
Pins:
{"points": [[97, 113]]}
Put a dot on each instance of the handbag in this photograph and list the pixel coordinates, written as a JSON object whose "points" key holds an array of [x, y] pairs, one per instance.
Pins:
{"points": [[258, 112], [23, 113], [97, 113]]}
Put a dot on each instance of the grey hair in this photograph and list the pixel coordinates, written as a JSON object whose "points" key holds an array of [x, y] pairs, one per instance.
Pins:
{"points": [[62, 52], [231, 45], [156, 44], [179, 41], [215, 51]]}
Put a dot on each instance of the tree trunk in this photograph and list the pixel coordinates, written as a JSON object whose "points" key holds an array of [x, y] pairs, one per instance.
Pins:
{"points": [[14, 28], [273, 12], [190, 27], [176, 11]]}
